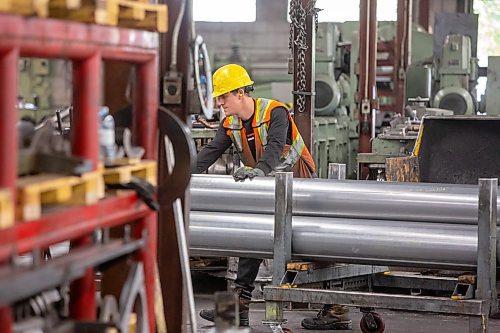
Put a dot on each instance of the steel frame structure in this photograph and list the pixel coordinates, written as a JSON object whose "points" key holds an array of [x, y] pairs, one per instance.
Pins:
{"points": [[477, 309], [85, 45]]}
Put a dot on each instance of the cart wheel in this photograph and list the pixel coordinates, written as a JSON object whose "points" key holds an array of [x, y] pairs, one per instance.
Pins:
{"points": [[287, 330], [368, 325]]}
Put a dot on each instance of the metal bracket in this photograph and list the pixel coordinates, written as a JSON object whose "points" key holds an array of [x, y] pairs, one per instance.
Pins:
{"points": [[305, 93], [282, 243], [172, 88]]}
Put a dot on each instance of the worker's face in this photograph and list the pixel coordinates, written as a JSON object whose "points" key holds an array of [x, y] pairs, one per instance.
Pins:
{"points": [[230, 103]]}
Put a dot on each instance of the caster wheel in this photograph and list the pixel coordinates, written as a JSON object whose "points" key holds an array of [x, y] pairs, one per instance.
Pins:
{"points": [[367, 325]]}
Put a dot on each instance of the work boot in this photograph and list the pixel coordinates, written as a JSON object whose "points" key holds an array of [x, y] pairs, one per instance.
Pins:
{"points": [[244, 309], [330, 317]]}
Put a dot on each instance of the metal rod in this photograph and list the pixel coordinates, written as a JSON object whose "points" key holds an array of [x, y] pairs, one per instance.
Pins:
{"points": [[359, 241], [443, 203], [184, 259]]}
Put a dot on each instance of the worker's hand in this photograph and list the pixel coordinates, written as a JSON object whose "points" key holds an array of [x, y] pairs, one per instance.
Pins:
{"points": [[245, 172]]}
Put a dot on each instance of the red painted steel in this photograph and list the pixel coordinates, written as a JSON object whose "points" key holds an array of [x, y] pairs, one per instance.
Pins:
{"points": [[8, 116], [70, 223], [6, 320], [86, 45], [48, 38], [82, 305], [401, 56], [145, 108], [86, 98], [367, 70], [423, 13]]}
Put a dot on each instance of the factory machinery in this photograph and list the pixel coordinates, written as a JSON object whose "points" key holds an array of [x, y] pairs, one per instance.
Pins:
{"points": [[400, 224], [439, 80]]}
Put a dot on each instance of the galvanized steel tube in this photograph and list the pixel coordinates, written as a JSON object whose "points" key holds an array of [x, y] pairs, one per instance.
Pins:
{"points": [[442, 203], [362, 241]]}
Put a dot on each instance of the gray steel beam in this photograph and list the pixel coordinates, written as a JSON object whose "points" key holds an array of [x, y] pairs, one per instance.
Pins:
{"points": [[377, 300], [408, 280], [338, 272], [487, 242], [282, 225]]}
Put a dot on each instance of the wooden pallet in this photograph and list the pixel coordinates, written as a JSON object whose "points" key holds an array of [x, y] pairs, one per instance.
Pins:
{"points": [[142, 15], [144, 169], [123, 13], [25, 7], [6, 209], [35, 191]]}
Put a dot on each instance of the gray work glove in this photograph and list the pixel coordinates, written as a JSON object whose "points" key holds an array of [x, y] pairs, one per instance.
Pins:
{"points": [[245, 172]]}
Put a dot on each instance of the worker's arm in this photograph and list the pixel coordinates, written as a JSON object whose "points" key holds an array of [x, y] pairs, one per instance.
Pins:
{"points": [[276, 140], [213, 150]]}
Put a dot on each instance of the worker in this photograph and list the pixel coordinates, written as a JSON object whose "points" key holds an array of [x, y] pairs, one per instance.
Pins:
{"points": [[265, 136]]}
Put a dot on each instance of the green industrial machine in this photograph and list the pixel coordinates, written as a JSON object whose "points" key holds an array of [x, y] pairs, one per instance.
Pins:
{"points": [[334, 125], [455, 73], [491, 99], [445, 81], [44, 86], [398, 139]]}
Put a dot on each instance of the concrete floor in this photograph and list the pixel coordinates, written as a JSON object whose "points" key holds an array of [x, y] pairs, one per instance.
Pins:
{"points": [[395, 321]]}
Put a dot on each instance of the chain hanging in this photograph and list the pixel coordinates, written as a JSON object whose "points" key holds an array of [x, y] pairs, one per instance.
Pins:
{"points": [[298, 15]]}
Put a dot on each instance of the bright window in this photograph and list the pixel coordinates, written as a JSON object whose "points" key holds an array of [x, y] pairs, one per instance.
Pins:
{"points": [[488, 43], [348, 10], [224, 10]]}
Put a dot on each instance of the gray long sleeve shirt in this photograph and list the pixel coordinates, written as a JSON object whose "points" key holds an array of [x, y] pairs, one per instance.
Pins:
{"points": [[278, 135]]}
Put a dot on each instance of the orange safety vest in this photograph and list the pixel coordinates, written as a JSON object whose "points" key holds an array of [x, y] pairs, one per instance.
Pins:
{"points": [[295, 157]]}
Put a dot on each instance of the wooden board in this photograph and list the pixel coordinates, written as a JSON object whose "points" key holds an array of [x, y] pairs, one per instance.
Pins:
{"points": [[6, 209], [142, 15], [35, 191], [122, 13], [145, 169], [25, 7], [402, 169]]}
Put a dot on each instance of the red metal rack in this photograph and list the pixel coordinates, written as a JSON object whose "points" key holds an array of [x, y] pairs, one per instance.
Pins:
{"points": [[86, 46]]}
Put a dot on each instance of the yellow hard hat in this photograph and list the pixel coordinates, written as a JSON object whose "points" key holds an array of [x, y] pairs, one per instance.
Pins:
{"points": [[230, 77]]}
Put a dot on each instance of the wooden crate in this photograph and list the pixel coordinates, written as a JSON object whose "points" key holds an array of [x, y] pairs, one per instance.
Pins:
{"points": [[6, 209], [25, 7], [35, 191], [145, 169], [86, 11], [122, 13], [142, 15]]}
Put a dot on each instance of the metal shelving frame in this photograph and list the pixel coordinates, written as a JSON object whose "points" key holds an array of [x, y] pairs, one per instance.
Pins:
{"points": [[86, 45]]}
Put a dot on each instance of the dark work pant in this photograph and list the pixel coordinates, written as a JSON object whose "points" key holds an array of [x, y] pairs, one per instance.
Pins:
{"points": [[248, 268]]}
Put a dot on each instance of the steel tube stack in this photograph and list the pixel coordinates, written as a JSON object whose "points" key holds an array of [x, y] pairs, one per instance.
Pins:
{"points": [[445, 203], [431, 225]]}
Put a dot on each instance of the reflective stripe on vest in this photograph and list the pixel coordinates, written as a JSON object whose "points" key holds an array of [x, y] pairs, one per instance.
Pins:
{"points": [[234, 126], [260, 124]]}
